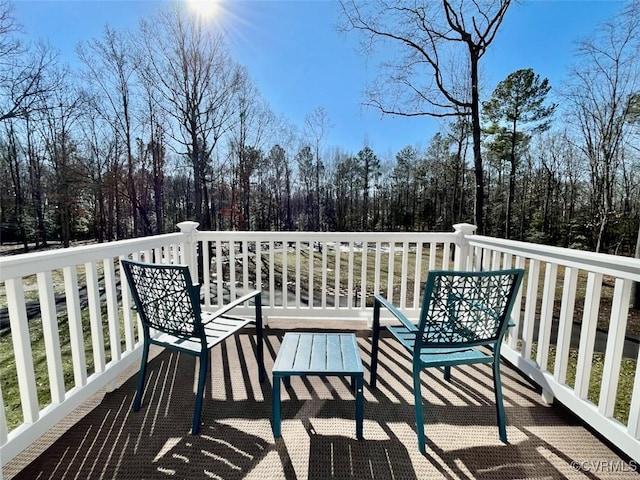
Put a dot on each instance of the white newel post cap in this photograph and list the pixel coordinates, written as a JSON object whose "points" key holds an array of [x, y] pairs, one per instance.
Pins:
{"points": [[465, 228], [188, 227]]}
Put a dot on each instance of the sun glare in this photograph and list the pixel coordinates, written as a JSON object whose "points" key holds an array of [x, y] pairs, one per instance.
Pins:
{"points": [[204, 8]]}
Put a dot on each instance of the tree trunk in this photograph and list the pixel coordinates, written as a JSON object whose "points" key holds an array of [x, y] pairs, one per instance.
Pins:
{"points": [[477, 141]]}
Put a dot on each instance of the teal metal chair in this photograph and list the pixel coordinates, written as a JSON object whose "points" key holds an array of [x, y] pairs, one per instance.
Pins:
{"points": [[169, 307], [460, 312]]}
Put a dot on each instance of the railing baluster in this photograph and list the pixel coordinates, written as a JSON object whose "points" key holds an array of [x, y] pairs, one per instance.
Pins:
{"points": [[350, 272], [363, 274], [129, 330], [588, 334], [403, 275], [22, 349], [514, 333], [245, 267], [390, 270], [377, 266], [312, 267], [530, 308], [272, 274], [325, 292], [258, 265], [633, 424], [112, 308], [615, 345], [336, 271], [285, 274], [95, 316], [417, 275], [219, 273], [495, 260], [232, 269], [433, 254], [205, 248], [76, 336], [51, 336], [446, 252], [477, 258], [546, 314], [565, 324], [298, 272]]}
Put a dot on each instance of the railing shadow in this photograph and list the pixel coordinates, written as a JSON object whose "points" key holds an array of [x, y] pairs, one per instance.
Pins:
{"points": [[336, 456]]}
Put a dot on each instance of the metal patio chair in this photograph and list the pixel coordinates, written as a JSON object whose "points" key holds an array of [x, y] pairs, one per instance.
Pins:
{"points": [[169, 307], [460, 312]]}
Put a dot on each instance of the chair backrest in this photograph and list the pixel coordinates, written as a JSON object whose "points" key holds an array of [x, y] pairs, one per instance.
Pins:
{"points": [[165, 298], [466, 308]]}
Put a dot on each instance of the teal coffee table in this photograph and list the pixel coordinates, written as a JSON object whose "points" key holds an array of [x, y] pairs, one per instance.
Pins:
{"points": [[321, 354]]}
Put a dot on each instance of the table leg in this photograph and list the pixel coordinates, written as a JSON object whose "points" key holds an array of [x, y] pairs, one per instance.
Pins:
{"points": [[276, 406], [359, 405]]}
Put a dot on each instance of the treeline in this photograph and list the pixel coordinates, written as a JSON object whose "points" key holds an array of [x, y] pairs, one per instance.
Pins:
{"points": [[161, 125]]}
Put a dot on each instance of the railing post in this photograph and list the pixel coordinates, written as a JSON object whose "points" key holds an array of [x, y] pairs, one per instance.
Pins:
{"points": [[190, 230], [462, 254]]}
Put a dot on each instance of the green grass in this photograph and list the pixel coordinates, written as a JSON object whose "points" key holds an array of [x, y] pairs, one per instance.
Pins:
{"points": [[625, 380], [358, 258], [8, 374]]}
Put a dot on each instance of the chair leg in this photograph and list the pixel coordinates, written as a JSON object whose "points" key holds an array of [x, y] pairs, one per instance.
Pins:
{"points": [[375, 338], [262, 373], [275, 406], [359, 405], [417, 393], [142, 374], [447, 373], [497, 386], [202, 380]]}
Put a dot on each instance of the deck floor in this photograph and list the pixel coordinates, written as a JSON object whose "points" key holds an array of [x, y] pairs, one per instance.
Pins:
{"points": [[107, 440]]}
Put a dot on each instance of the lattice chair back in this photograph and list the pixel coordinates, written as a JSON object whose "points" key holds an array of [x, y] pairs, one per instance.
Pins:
{"points": [[165, 298], [466, 308]]}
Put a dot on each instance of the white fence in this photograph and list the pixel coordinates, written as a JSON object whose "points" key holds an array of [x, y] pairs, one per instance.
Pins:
{"points": [[597, 285], [44, 278], [311, 276]]}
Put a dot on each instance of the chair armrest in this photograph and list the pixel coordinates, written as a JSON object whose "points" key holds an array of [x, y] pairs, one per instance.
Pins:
{"points": [[395, 312], [234, 304]]}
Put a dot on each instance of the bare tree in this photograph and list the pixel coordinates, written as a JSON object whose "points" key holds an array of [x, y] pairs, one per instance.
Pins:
{"points": [[197, 81], [247, 139], [109, 68], [601, 99], [317, 126], [61, 114], [436, 71], [22, 68]]}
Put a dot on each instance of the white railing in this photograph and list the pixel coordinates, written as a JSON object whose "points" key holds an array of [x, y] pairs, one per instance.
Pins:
{"points": [[552, 323], [53, 281], [304, 276], [322, 276]]}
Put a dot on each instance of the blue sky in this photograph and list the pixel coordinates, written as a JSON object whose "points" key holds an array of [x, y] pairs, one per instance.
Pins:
{"points": [[300, 62]]}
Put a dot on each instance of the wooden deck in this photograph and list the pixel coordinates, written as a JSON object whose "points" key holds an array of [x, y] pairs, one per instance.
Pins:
{"points": [[106, 439]]}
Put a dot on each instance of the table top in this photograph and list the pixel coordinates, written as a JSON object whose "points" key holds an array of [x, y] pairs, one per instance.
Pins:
{"points": [[318, 353]]}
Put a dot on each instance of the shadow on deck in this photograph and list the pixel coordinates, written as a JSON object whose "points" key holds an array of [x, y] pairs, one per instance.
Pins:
{"points": [[108, 440]]}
